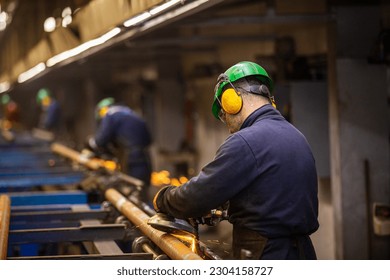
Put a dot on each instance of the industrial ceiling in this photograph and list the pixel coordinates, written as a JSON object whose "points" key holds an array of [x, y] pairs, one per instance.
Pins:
{"points": [[186, 26]]}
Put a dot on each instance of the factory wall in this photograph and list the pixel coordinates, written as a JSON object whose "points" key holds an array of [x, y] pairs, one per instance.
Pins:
{"points": [[309, 113], [359, 134], [365, 153]]}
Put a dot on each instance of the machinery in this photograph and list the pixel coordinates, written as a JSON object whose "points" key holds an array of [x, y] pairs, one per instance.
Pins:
{"points": [[139, 215], [86, 209], [187, 231]]}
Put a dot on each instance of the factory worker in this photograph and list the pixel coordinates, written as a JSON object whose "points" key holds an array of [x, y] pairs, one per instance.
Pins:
{"points": [[10, 109], [50, 110], [265, 169], [124, 134]]}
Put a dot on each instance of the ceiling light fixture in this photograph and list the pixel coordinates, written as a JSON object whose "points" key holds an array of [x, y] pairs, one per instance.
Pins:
{"points": [[31, 72], [66, 12], [50, 24], [137, 19], [66, 20], [66, 16], [175, 13], [82, 48], [4, 86], [141, 17], [164, 6], [3, 20]]}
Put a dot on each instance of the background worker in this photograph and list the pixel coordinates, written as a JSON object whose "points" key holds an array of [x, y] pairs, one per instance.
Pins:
{"points": [[265, 170], [124, 134], [10, 109], [50, 110], [10, 118]]}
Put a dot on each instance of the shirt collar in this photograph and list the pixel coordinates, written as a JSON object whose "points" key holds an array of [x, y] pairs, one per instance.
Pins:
{"points": [[266, 111]]}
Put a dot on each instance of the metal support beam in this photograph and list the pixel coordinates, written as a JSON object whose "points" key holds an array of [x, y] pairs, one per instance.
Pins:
{"points": [[45, 225], [41, 216], [126, 256], [83, 233], [39, 198], [102, 247]]}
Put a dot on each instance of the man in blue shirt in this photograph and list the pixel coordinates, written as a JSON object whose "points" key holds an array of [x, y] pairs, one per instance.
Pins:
{"points": [[125, 134], [265, 170], [50, 110]]}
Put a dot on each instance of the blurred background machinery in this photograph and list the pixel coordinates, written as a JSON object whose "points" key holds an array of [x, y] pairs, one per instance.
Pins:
{"points": [[57, 203]]}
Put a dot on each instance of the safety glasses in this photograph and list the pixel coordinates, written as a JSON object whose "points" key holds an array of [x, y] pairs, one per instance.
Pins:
{"points": [[221, 114]]}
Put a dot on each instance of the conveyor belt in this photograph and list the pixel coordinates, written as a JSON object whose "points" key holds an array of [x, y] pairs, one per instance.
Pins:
{"points": [[28, 162], [32, 180], [44, 224], [55, 214]]}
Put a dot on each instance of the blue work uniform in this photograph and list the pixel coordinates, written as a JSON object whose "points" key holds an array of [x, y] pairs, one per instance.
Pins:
{"points": [[267, 172], [51, 116], [128, 132]]}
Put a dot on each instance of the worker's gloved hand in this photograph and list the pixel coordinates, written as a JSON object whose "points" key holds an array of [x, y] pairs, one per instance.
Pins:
{"points": [[157, 200]]}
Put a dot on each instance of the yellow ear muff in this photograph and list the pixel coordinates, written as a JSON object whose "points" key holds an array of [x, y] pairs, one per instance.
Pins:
{"points": [[46, 101], [103, 111], [231, 101]]}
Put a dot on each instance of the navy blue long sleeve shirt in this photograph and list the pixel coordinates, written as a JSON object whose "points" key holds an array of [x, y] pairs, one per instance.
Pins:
{"points": [[123, 128], [266, 171], [51, 116]]}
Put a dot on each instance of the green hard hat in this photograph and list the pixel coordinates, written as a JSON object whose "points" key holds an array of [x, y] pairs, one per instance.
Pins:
{"points": [[5, 99], [240, 70], [106, 102], [42, 94]]}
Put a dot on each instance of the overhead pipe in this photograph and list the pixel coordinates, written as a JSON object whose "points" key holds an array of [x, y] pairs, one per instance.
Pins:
{"points": [[5, 213], [171, 246]]}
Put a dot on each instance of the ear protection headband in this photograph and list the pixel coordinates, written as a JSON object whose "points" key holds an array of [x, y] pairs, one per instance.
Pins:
{"points": [[265, 91]]}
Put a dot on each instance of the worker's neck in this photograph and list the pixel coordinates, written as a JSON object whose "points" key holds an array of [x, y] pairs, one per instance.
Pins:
{"points": [[250, 107]]}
